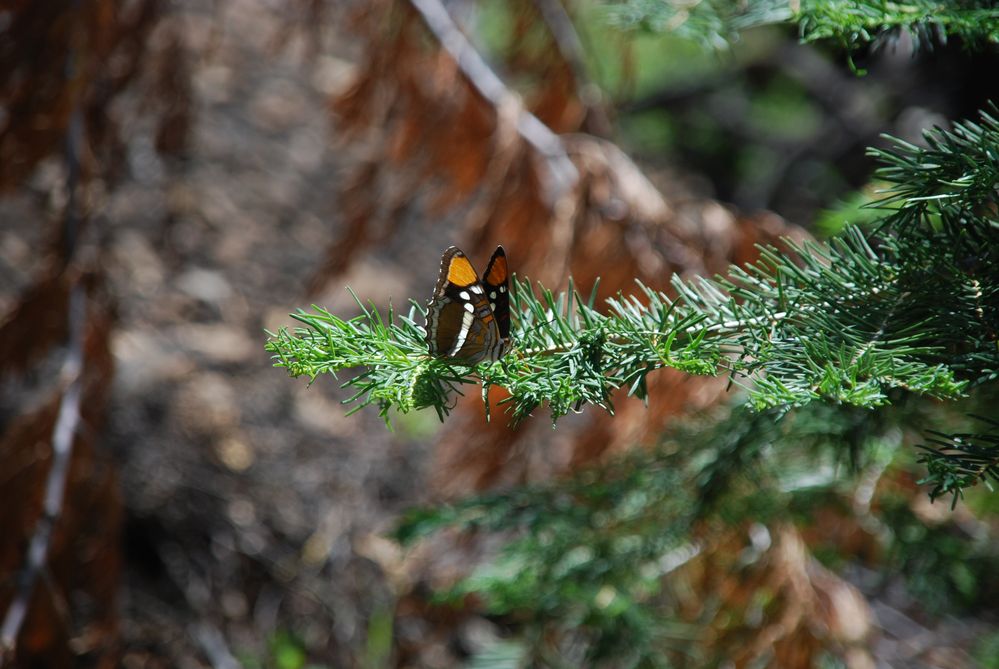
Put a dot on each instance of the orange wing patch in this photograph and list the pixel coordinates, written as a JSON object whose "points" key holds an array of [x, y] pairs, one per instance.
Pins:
{"points": [[460, 272], [497, 272]]}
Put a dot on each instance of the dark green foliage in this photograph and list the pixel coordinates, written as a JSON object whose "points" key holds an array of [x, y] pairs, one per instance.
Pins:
{"points": [[856, 23], [948, 569], [851, 23], [583, 555], [592, 563], [957, 171], [842, 324], [958, 461], [729, 453]]}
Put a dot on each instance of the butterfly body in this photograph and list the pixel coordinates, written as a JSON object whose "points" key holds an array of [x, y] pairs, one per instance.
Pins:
{"points": [[468, 319]]}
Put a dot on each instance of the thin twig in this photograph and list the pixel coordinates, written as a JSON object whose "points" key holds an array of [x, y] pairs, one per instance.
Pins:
{"points": [[71, 220], [55, 484], [213, 643], [563, 172], [197, 596], [566, 38]]}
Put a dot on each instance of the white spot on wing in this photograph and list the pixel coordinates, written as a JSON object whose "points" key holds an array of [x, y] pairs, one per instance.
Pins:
{"points": [[477, 289], [492, 294], [502, 289], [466, 325], [464, 295], [469, 307]]}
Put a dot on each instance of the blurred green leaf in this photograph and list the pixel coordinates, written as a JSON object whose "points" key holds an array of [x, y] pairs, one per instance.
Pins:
{"points": [[378, 646], [287, 651]]}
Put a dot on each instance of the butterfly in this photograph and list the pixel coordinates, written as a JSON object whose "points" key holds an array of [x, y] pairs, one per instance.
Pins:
{"points": [[468, 320]]}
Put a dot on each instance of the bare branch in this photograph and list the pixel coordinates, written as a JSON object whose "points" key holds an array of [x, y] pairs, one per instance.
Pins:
{"points": [[214, 645]]}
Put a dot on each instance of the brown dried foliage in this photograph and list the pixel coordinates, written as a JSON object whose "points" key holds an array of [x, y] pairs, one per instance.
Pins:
{"points": [[59, 56], [772, 605]]}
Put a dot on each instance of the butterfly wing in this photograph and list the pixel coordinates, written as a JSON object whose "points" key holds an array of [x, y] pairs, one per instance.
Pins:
{"points": [[496, 281], [460, 322]]}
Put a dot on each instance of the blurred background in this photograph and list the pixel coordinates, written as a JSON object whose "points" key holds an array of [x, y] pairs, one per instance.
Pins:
{"points": [[177, 177]]}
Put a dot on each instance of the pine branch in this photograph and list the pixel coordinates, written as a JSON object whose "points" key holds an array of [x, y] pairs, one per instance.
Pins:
{"points": [[567, 353], [841, 323], [393, 352], [845, 327], [855, 23], [961, 460], [852, 23], [956, 172], [850, 322]]}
